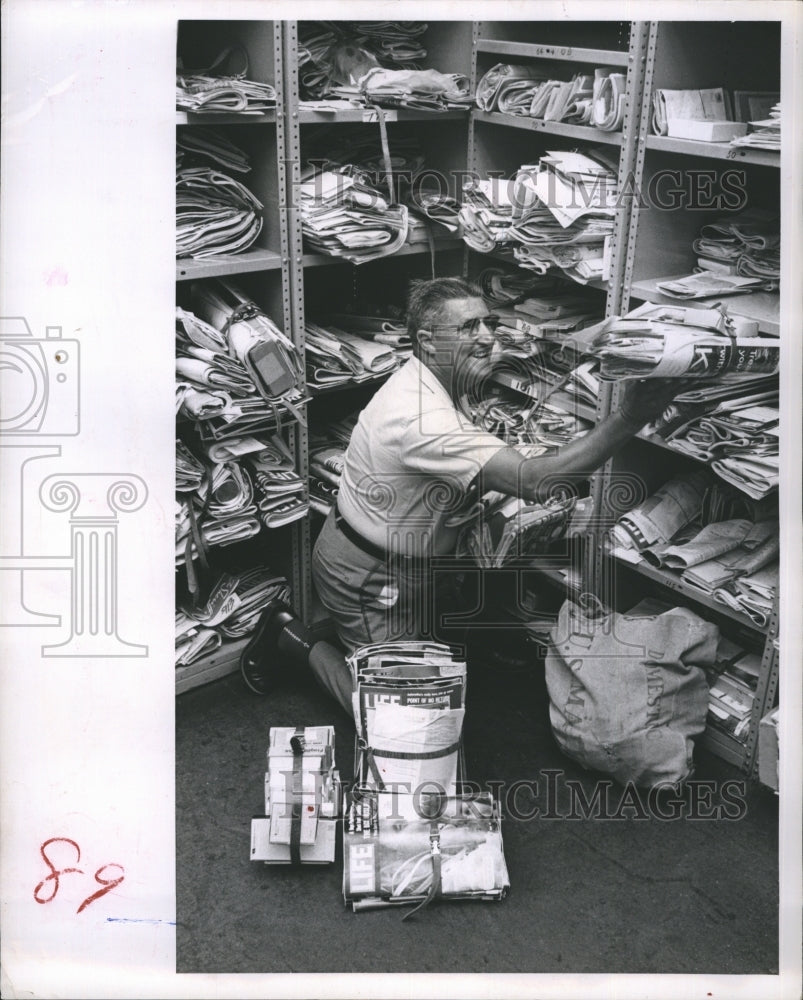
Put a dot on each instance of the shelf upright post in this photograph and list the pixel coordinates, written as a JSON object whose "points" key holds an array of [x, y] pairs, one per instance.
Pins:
{"points": [[293, 289], [628, 182], [766, 690]]}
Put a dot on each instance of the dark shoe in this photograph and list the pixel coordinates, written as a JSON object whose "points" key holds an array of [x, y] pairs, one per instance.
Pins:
{"points": [[260, 662]]}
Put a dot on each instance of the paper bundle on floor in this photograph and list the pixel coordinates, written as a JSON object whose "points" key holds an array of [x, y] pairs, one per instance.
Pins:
{"points": [[400, 849], [409, 703], [302, 798]]}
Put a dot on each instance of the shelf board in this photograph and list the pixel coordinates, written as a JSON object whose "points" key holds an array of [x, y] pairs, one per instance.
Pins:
{"points": [[715, 150], [189, 269], [669, 580], [308, 116], [583, 132], [764, 307], [221, 663], [224, 118], [322, 260], [562, 53]]}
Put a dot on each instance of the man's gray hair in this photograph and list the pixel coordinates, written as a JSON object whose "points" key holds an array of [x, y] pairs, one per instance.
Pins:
{"points": [[427, 301]]}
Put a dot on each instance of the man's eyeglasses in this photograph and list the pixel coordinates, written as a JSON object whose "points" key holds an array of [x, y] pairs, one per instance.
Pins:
{"points": [[471, 328]]}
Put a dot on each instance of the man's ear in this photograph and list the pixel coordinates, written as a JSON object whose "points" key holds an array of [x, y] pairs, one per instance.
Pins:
{"points": [[425, 345]]}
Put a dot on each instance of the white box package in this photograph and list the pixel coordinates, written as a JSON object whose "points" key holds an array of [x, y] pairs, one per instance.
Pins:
{"points": [[302, 798]]}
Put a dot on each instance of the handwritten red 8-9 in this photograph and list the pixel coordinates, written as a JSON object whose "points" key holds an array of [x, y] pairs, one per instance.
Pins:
{"points": [[107, 884]]}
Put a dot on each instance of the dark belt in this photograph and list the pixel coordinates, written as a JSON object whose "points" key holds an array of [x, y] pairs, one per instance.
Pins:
{"points": [[356, 538]]}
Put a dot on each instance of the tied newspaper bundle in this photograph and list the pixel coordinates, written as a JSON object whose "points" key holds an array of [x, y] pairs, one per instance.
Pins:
{"points": [[656, 341], [502, 528], [228, 343], [215, 213], [345, 214], [409, 703], [401, 849], [302, 798], [222, 87], [596, 100], [344, 349], [232, 611]]}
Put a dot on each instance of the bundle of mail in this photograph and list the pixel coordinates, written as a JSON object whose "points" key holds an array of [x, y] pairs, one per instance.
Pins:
{"points": [[344, 214], [215, 213], [216, 390], [657, 341], [735, 254], [338, 356], [409, 703], [414, 89], [732, 687], [714, 115], [739, 437], [526, 327], [331, 51], [228, 343], [231, 611], [556, 214], [302, 798], [227, 498], [597, 100], [214, 90], [502, 288], [532, 401], [712, 104], [506, 528], [359, 63], [326, 460], [401, 849], [734, 561], [764, 133]]}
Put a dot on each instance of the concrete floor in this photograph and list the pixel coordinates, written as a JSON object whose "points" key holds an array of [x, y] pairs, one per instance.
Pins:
{"points": [[624, 895]]}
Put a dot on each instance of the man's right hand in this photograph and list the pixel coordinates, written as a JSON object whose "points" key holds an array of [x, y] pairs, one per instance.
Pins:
{"points": [[646, 399]]}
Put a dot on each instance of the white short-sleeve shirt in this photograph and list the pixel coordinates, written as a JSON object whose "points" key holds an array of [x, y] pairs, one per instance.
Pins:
{"points": [[409, 463]]}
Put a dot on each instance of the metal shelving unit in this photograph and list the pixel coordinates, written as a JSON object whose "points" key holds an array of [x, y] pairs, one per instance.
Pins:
{"points": [[659, 245], [646, 246], [262, 270]]}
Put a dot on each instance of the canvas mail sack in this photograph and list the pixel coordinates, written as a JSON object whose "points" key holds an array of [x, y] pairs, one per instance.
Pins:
{"points": [[628, 693]]}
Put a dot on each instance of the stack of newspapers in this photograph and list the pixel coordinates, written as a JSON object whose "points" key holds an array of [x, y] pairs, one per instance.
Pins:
{"points": [[215, 212], [409, 703], [596, 100], [345, 214]]}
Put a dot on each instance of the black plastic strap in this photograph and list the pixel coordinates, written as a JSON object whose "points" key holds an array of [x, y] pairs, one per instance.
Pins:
{"points": [[371, 753], [436, 859], [297, 802]]}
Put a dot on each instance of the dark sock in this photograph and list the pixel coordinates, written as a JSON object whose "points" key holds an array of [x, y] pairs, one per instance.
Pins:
{"points": [[295, 641]]}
